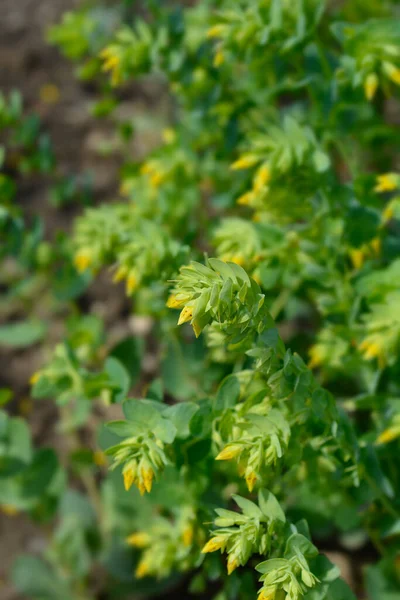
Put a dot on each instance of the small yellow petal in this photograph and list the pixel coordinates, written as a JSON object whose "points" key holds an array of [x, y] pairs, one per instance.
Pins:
{"points": [[390, 434], [388, 213], [186, 315], [148, 476], [219, 58], [376, 245], [35, 378], [216, 30], [214, 544], [232, 565], [187, 536], [129, 477], [251, 479], [131, 283], [392, 72], [229, 452], [262, 178], [174, 302], [245, 161], [246, 199], [370, 86], [142, 570], [82, 260], [357, 257], [388, 182], [141, 539]]}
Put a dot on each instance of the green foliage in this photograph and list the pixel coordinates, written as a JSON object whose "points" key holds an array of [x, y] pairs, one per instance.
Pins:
{"points": [[280, 161]]}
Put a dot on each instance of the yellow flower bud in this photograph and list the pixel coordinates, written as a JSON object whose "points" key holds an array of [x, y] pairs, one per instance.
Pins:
{"points": [[174, 302], [251, 479], [262, 178], [214, 544], [82, 260], [246, 199], [216, 30], [371, 349], [141, 539], [35, 377], [187, 536], [131, 283], [232, 564], [370, 86], [219, 58], [244, 162], [142, 569], [357, 257], [376, 245], [388, 213], [186, 315], [388, 182], [148, 476], [389, 435], [129, 476], [392, 72], [229, 452]]}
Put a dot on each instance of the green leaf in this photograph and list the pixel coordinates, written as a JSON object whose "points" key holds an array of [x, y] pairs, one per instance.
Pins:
{"points": [[270, 506], [181, 416], [33, 577], [22, 334], [142, 414], [228, 393], [248, 508], [129, 353], [119, 377]]}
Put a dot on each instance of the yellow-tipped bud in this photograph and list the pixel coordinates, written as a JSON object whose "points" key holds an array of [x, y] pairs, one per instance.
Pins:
{"points": [[187, 536], [216, 31], [392, 72], [388, 182], [148, 476], [214, 544], [141, 539], [371, 349], [245, 162], [266, 595], [35, 378], [370, 86], [174, 302], [232, 564], [229, 452], [219, 58], [262, 178], [388, 213], [376, 245], [82, 260], [120, 274], [129, 477], [357, 257], [186, 315], [389, 435], [251, 479], [142, 569], [246, 199], [131, 283]]}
